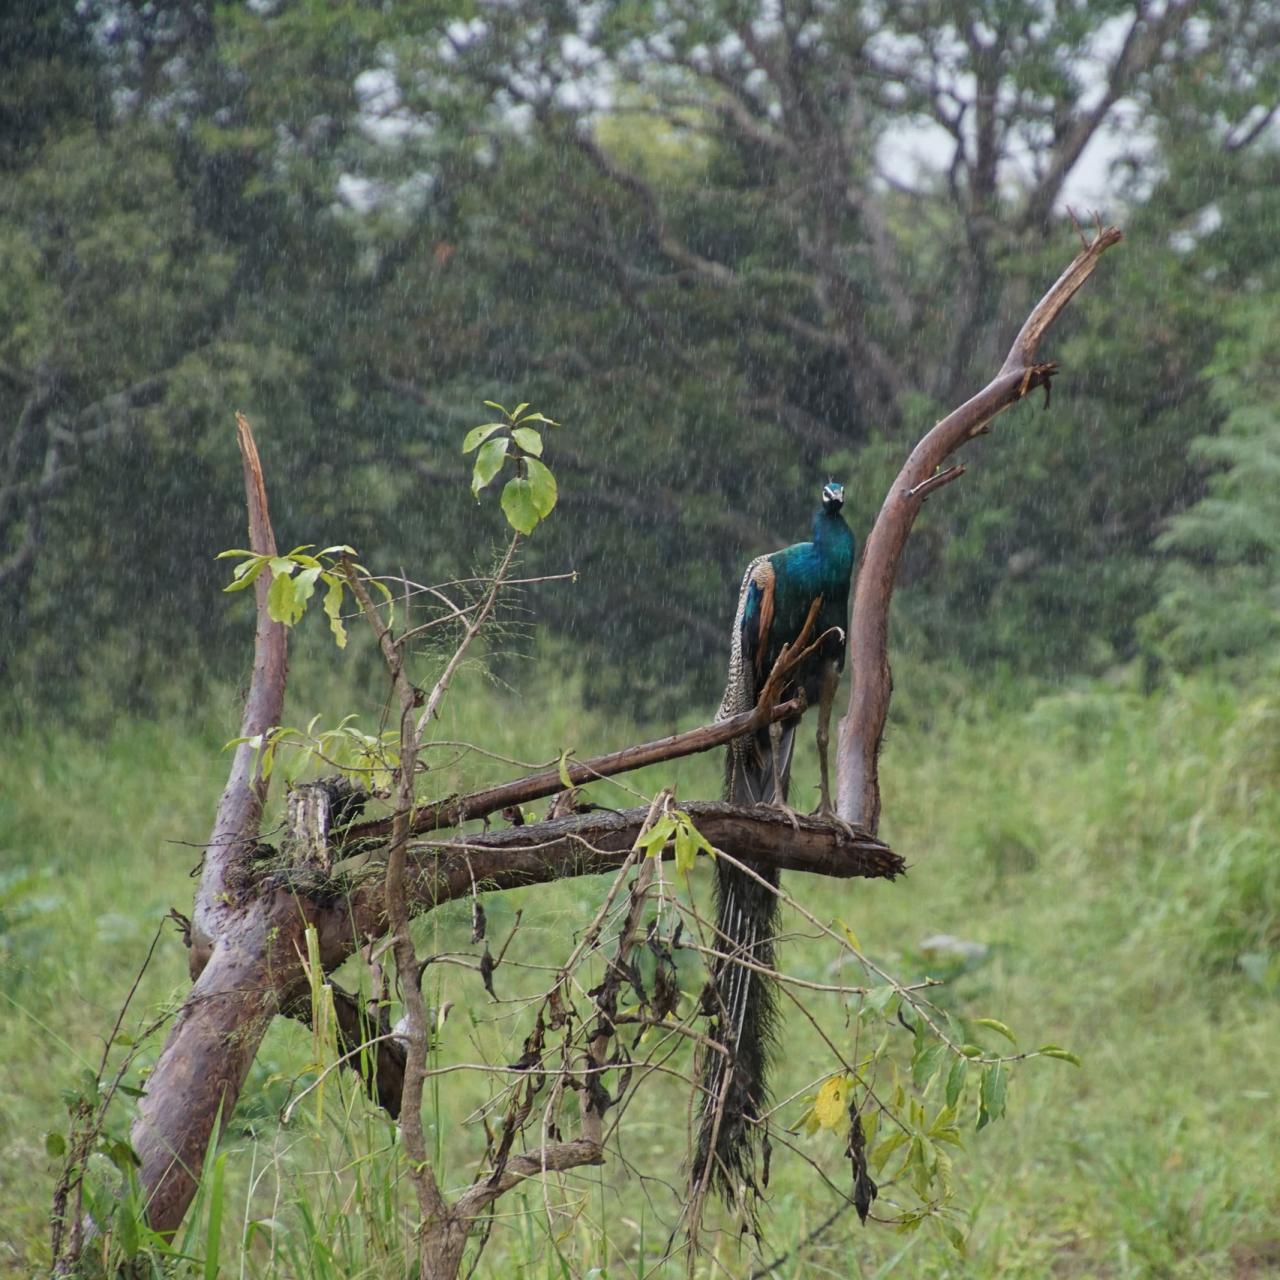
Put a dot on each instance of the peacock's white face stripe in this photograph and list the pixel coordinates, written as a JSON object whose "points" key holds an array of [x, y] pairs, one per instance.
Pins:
{"points": [[833, 492]]}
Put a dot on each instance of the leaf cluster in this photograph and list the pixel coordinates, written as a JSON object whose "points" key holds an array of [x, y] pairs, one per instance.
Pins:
{"points": [[294, 578], [530, 495]]}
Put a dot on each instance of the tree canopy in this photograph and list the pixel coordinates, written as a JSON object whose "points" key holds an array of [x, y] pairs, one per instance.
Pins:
{"points": [[733, 247]]}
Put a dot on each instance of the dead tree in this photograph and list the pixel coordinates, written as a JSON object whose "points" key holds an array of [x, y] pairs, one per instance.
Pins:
{"points": [[252, 913]]}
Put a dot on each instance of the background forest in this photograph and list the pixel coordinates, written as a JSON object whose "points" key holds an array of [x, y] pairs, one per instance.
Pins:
{"points": [[734, 248]]}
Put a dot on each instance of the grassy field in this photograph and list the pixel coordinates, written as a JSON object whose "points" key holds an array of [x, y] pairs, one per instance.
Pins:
{"points": [[1115, 852]]}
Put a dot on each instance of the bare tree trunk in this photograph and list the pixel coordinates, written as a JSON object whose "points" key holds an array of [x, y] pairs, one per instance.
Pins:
{"points": [[862, 728]]}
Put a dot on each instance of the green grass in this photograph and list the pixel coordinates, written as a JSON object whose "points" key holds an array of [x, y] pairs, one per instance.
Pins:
{"points": [[1117, 854]]}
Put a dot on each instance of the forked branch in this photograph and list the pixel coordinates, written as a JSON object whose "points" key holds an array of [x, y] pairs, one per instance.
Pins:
{"points": [[862, 728]]}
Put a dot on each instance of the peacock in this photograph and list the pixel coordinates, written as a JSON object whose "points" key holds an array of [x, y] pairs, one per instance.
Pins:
{"points": [[777, 594]]}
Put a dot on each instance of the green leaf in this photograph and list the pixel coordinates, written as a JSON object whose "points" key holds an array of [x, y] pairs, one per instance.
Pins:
{"points": [[543, 484], [478, 435], [246, 573], [333, 607], [878, 1001], [955, 1080], [926, 1062], [122, 1155], [488, 462], [686, 849], [55, 1145], [213, 1231], [653, 840], [851, 936], [529, 440], [539, 417], [493, 404], [282, 565], [1054, 1051], [991, 1098], [304, 584], [518, 410], [832, 1103], [282, 604], [700, 842], [887, 1148], [234, 551], [954, 1235], [126, 1233], [518, 505], [996, 1025]]}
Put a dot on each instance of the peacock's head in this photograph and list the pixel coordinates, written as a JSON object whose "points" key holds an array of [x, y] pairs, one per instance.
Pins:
{"points": [[832, 497]]}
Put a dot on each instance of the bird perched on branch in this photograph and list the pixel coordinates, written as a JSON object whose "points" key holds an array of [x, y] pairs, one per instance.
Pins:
{"points": [[779, 594]]}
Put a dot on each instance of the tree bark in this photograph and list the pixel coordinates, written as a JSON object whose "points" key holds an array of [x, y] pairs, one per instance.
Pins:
{"points": [[593, 844], [862, 728], [235, 954]]}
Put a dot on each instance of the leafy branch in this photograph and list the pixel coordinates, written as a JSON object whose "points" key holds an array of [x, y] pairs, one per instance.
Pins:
{"points": [[294, 578], [530, 495]]}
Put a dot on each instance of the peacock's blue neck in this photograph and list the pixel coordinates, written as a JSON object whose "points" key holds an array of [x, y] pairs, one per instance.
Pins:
{"points": [[832, 535]]}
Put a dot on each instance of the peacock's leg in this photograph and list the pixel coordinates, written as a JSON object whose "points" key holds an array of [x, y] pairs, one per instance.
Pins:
{"points": [[826, 700], [779, 783]]}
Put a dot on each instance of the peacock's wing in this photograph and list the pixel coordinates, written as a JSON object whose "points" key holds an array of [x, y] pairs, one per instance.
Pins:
{"points": [[748, 764]]}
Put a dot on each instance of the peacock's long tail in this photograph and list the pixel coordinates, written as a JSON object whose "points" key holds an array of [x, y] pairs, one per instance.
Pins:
{"points": [[742, 1000]]}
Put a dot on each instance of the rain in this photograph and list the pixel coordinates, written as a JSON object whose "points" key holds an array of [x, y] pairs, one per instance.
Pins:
{"points": [[543, 321]]}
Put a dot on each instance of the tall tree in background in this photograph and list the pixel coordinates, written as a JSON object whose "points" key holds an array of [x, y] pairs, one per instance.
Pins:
{"points": [[716, 234]]}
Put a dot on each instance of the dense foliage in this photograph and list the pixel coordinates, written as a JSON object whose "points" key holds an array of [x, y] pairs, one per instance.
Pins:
{"points": [[1097, 866], [732, 247]]}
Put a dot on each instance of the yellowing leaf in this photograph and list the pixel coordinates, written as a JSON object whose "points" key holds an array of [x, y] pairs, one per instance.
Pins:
{"points": [[832, 1103], [563, 763], [333, 608]]}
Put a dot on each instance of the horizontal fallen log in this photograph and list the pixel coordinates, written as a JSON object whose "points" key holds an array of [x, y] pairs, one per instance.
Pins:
{"points": [[592, 844]]}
